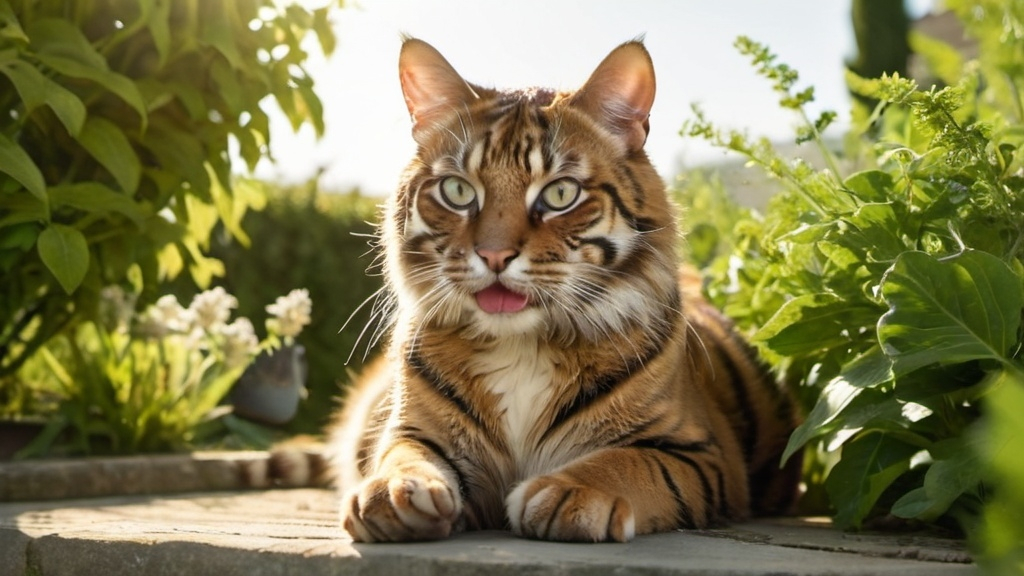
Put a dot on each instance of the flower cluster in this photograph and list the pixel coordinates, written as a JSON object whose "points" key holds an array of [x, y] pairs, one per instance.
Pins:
{"points": [[290, 313], [206, 323]]}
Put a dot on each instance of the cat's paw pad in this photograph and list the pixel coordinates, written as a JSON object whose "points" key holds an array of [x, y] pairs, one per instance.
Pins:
{"points": [[413, 504], [550, 508]]}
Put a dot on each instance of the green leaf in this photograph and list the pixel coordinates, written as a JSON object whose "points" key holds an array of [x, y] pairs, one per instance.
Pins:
{"points": [[866, 371], [105, 142], [10, 27], [62, 38], [805, 323], [158, 22], [870, 185], [17, 164], [324, 29], [65, 253], [957, 470], [36, 89], [869, 464], [957, 310], [872, 230], [95, 197], [18, 208], [115, 83]]}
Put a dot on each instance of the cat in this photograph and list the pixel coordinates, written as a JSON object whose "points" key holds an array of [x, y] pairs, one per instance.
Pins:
{"points": [[550, 369]]}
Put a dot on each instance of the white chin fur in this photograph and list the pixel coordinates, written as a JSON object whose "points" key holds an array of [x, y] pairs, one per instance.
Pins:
{"points": [[527, 321]]}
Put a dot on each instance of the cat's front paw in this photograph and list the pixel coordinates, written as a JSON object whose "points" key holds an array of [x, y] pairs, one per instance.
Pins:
{"points": [[553, 508], [414, 503]]}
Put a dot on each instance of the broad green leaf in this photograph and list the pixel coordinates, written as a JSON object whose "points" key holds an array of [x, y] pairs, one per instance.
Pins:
{"points": [[36, 90], [158, 16], [872, 230], [870, 185], [65, 253], [314, 107], [217, 32], [180, 153], [324, 29], [17, 164], [115, 83], [957, 310], [18, 208], [95, 197], [105, 142], [866, 371], [227, 86], [230, 209], [10, 27], [806, 323], [61, 38], [869, 464], [957, 470]]}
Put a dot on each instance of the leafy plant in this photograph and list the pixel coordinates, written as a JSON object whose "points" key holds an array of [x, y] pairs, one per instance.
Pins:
{"points": [[891, 298], [114, 144], [317, 240], [154, 382]]}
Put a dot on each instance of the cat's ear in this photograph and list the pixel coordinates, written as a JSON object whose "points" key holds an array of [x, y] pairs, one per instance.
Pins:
{"points": [[432, 88], [620, 93]]}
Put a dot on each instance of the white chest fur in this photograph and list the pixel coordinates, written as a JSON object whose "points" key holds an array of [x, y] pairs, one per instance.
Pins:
{"points": [[519, 372]]}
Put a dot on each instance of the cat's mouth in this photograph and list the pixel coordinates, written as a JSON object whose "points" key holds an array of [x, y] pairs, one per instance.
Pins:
{"points": [[497, 299]]}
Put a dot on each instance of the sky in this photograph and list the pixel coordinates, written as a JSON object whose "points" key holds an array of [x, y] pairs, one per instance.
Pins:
{"points": [[557, 44]]}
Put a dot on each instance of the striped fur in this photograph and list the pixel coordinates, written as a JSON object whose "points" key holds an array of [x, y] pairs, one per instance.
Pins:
{"points": [[593, 395]]}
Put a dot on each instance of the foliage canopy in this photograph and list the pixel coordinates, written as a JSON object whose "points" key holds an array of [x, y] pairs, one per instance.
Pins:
{"points": [[114, 155]]}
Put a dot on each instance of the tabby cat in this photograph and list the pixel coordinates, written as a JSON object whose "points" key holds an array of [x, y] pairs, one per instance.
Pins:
{"points": [[550, 369]]}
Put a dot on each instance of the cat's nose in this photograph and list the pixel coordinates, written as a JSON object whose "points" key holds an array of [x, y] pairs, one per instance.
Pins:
{"points": [[497, 260]]}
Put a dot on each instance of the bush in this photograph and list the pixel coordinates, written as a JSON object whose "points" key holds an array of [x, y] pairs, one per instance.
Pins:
{"points": [[891, 298], [319, 241], [114, 143]]}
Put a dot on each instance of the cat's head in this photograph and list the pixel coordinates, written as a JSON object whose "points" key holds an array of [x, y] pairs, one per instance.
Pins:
{"points": [[530, 211]]}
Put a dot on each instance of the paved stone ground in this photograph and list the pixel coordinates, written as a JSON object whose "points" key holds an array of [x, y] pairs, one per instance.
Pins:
{"points": [[294, 531]]}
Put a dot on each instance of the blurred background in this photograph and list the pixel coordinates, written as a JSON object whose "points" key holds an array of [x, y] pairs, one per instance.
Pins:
{"points": [[558, 44]]}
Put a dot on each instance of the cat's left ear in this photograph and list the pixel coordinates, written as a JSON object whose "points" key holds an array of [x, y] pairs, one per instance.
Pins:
{"points": [[620, 93], [432, 88]]}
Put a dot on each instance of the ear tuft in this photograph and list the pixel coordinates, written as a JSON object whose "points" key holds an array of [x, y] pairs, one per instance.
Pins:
{"points": [[432, 88], [620, 93]]}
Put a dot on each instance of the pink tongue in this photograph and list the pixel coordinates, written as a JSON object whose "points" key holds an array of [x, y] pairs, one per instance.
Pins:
{"points": [[496, 298]]}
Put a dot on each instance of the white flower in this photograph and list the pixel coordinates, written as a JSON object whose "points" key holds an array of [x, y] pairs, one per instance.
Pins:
{"points": [[238, 342], [212, 308], [291, 313], [116, 308], [166, 317]]}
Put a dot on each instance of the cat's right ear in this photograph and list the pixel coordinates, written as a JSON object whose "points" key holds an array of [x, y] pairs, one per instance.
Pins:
{"points": [[432, 88]]}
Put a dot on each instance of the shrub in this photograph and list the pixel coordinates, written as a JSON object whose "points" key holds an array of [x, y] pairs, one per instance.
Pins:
{"points": [[114, 143], [891, 298], [318, 241]]}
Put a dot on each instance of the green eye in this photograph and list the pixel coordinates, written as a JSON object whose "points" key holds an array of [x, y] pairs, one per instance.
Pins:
{"points": [[457, 193], [560, 194]]}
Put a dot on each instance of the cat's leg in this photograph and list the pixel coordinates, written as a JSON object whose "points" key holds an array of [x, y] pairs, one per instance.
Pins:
{"points": [[615, 493], [412, 495]]}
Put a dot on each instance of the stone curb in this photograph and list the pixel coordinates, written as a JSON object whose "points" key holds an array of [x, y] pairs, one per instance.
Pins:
{"points": [[130, 516], [296, 532], [37, 480]]}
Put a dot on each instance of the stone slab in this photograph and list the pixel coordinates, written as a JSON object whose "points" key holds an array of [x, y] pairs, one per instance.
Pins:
{"points": [[33, 480], [284, 532]]}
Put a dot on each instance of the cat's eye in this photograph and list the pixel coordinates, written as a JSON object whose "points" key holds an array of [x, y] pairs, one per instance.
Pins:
{"points": [[457, 193], [560, 194]]}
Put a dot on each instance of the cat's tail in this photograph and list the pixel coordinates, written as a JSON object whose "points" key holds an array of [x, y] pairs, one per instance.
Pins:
{"points": [[300, 462]]}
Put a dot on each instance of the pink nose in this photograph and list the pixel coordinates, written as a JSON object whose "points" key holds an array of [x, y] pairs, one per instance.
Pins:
{"points": [[497, 260]]}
